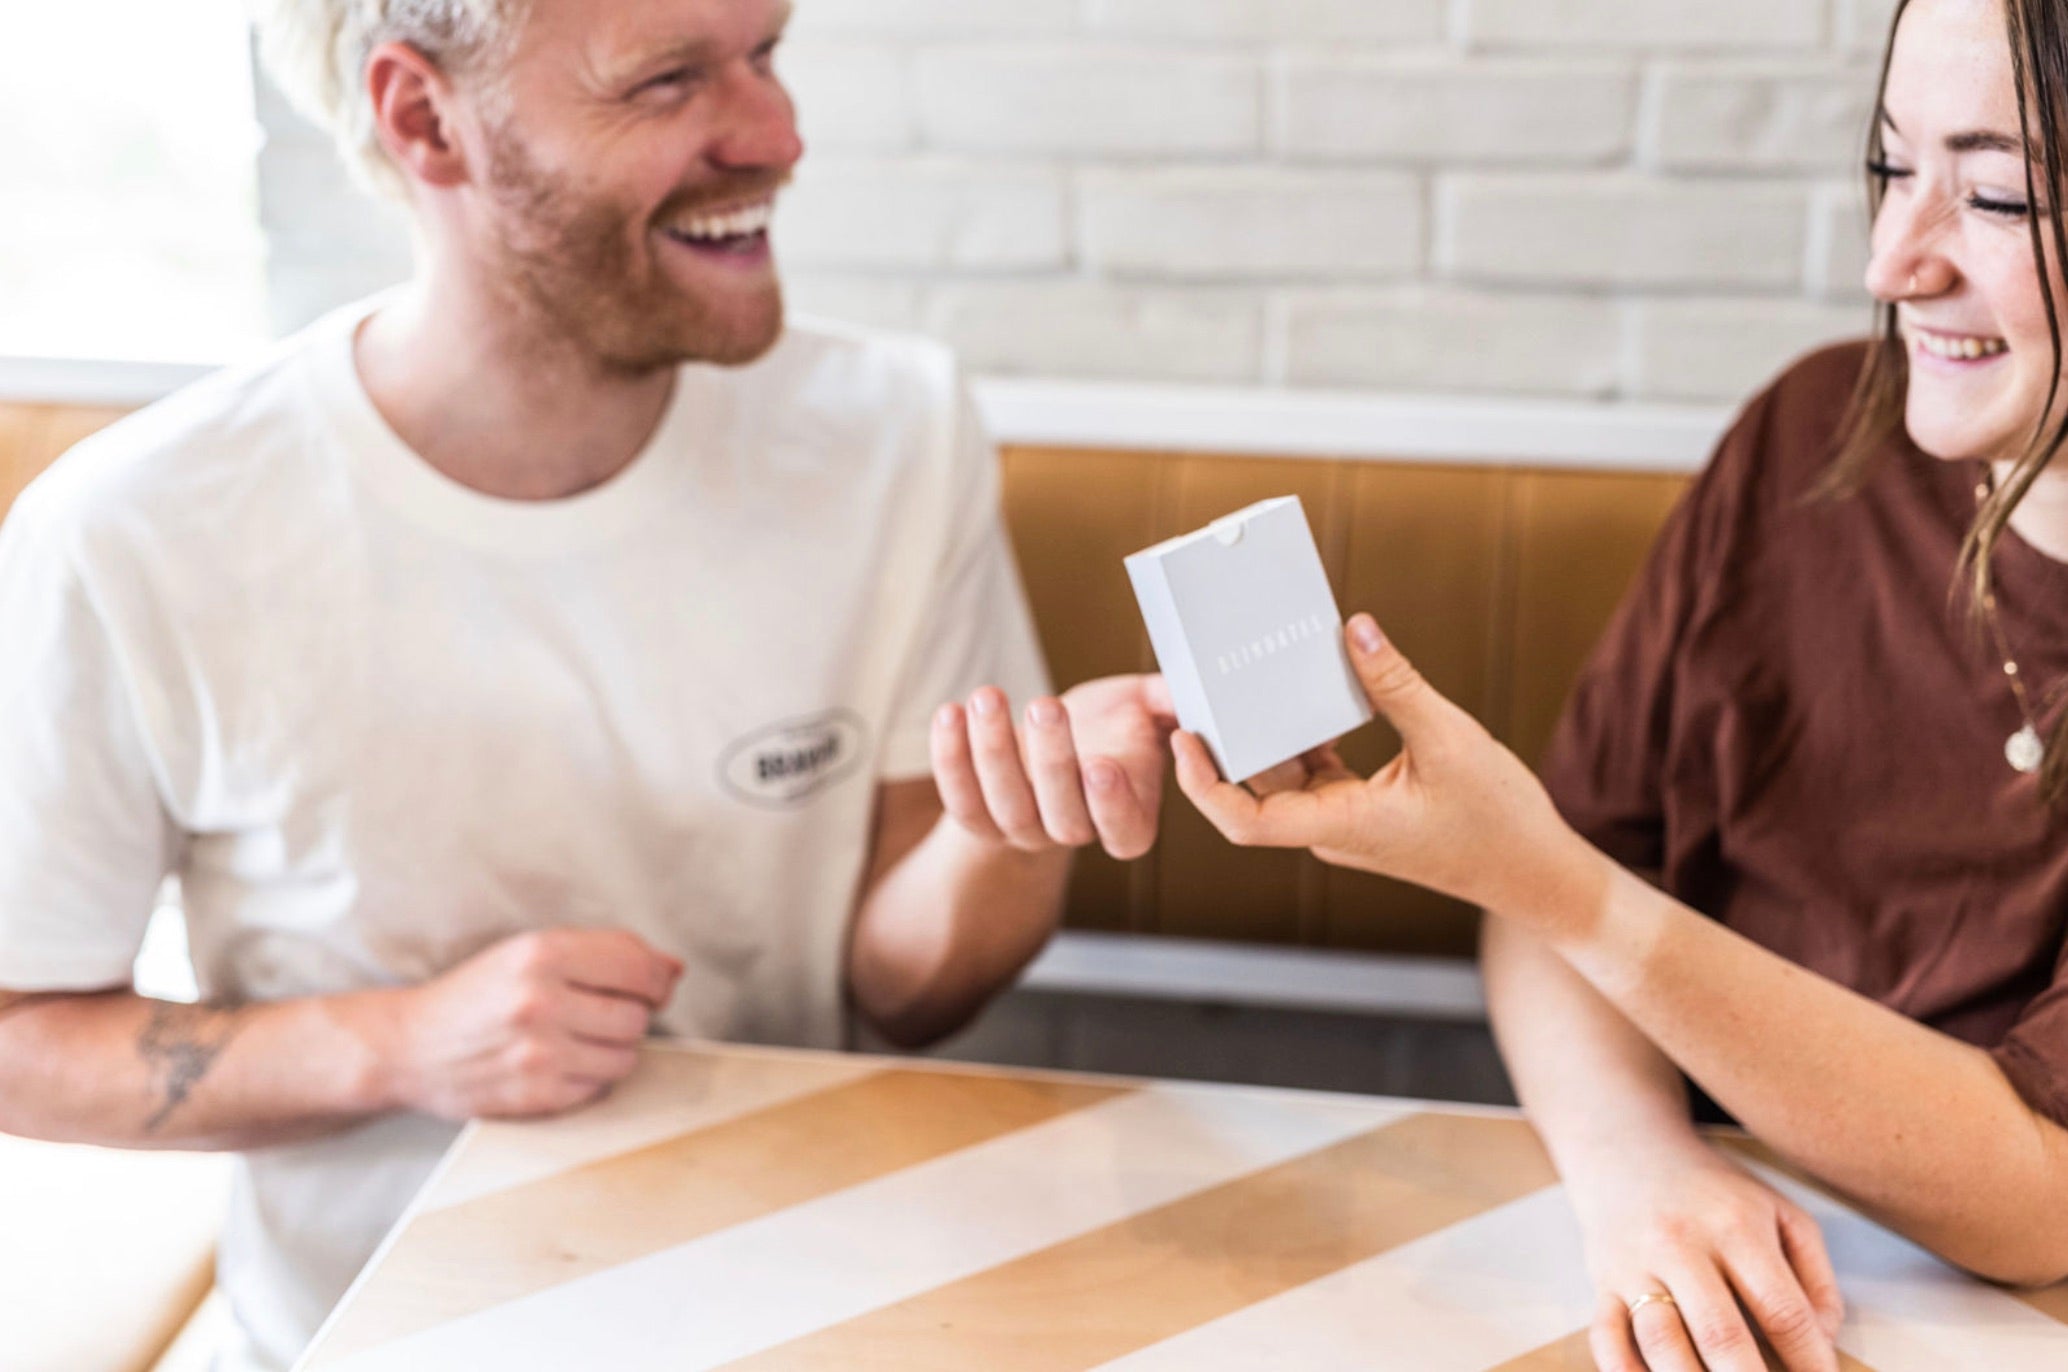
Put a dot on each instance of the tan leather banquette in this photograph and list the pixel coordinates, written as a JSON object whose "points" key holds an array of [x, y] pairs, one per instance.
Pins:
{"points": [[1496, 580]]}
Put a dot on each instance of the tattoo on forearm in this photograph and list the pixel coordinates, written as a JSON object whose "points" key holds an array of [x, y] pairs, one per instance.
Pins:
{"points": [[179, 1044]]}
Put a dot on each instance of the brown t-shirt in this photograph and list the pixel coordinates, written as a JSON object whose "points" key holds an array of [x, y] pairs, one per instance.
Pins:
{"points": [[1793, 727]]}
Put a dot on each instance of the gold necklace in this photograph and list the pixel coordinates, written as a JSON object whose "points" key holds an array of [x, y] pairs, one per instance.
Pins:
{"points": [[2025, 750]]}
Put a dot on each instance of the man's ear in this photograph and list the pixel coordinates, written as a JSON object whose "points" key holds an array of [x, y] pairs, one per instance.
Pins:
{"points": [[413, 115]]}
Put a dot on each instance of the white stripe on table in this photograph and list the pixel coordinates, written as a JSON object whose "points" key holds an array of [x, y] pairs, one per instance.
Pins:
{"points": [[760, 1284], [675, 1091], [1906, 1311]]}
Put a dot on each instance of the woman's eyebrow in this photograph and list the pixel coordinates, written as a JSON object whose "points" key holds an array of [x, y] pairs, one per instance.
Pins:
{"points": [[1985, 140], [1974, 140]]}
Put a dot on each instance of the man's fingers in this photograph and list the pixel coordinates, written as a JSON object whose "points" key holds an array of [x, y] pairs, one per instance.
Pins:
{"points": [[1802, 1242], [1126, 823], [1780, 1307], [1156, 699], [955, 773], [1395, 689], [615, 1020], [1001, 772], [1058, 785], [597, 1062], [614, 962]]}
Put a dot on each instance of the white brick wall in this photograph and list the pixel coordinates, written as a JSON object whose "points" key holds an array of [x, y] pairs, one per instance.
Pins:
{"points": [[1604, 199], [1621, 230], [1230, 223]]}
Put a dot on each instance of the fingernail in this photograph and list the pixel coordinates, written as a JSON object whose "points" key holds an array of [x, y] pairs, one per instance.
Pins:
{"points": [[984, 703], [1045, 713], [1364, 632], [944, 718]]}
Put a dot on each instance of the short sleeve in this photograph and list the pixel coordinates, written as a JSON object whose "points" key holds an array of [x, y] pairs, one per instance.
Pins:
{"points": [[977, 630], [1610, 754], [84, 839], [2034, 1055]]}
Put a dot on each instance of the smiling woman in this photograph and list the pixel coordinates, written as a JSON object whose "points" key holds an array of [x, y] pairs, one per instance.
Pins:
{"points": [[131, 227], [1781, 848], [1969, 245]]}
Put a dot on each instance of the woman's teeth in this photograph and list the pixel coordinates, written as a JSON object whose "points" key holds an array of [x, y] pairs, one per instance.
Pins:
{"points": [[1960, 349]]}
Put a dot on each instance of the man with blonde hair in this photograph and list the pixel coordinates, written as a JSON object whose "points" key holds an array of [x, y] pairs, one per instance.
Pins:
{"points": [[541, 655]]}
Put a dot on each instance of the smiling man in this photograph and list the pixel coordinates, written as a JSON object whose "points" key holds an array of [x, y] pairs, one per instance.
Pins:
{"points": [[544, 654]]}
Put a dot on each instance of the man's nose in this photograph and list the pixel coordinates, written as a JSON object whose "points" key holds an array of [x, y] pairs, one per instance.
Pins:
{"points": [[760, 124]]}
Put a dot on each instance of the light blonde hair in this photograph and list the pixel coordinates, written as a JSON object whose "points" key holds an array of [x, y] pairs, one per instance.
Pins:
{"points": [[316, 51]]}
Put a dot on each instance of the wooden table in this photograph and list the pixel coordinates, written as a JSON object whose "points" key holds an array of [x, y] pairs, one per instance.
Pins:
{"points": [[763, 1210]]}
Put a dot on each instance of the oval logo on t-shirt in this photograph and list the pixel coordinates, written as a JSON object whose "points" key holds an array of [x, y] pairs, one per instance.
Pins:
{"points": [[786, 762]]}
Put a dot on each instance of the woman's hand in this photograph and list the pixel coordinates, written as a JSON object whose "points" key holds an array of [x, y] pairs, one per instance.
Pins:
{"points": [[1455, 811], [1734, 1255], [1086, 768]]}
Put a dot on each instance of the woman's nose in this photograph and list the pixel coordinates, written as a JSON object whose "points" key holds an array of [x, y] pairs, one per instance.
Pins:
{"points": [[1908, 261]]}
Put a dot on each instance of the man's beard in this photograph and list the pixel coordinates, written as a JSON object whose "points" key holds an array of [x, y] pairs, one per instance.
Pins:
{"points": [[571, 263]]}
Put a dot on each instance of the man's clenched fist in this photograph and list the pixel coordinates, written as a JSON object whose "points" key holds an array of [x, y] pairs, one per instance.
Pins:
{"points": [[535, 1025]]}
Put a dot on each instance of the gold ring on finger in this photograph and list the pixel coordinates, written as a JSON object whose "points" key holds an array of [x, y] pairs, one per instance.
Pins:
{"points": [[1653, 1298]]}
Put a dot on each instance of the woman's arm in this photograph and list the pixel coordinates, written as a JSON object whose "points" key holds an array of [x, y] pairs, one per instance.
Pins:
{"points": [[1660, 1207], [1924, 1131], [1592, 1083]]}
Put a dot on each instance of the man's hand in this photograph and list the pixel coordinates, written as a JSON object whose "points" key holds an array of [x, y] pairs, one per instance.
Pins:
{"points": [[1083, 769], [534, 1025], [1735, 1256]]}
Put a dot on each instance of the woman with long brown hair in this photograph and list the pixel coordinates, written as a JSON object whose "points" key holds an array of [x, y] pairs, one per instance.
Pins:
{"points": [[1802, 838]]}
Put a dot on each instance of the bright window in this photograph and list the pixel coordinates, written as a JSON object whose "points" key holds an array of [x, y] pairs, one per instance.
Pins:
{"points": [[128, 201]]}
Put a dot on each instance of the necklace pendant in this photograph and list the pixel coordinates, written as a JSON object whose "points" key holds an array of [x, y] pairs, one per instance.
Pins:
{"points": [[2024, 750]]}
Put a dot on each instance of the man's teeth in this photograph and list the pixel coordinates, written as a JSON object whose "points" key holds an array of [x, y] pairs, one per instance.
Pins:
{"points": [[712, 228], [1961, 349]]}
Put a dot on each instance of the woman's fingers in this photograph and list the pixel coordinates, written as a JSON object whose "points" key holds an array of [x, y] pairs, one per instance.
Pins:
{"points": [[1395, 689], [1802, 1243], [1231, 810], [1608, 1338], [1660, 1336], [1705, 1312], [1287, 820], [1286, 776], [1771, 1291], [1326, 764]]}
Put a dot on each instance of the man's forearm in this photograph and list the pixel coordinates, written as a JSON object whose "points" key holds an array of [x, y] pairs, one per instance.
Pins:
{"points": [[947, 928], [1923, 1130], [118, 1070]]}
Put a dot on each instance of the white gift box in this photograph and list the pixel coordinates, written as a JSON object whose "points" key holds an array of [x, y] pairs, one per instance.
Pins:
{"points": [[1248, 635]]}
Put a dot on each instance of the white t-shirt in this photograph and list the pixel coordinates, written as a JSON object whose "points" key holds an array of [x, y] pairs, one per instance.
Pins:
{"points": [[375, 721]]}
